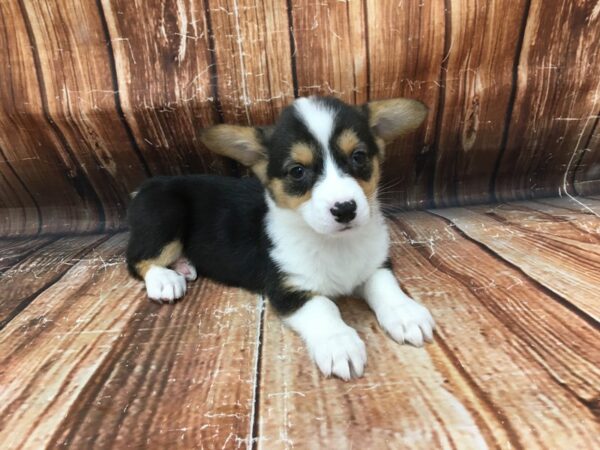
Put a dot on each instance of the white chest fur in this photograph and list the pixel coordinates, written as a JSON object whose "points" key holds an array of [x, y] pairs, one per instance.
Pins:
{"points": [[326, 265]]}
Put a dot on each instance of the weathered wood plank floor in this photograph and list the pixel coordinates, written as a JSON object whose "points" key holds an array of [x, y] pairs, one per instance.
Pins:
{"points": [[87, 362]]}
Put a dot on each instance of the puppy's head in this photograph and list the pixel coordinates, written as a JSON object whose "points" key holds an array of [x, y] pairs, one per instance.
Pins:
{"points": [[321, 159]]}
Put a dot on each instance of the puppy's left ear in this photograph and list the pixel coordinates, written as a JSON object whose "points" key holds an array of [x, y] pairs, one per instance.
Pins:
{"points": [[390, 119], [244, 144]]}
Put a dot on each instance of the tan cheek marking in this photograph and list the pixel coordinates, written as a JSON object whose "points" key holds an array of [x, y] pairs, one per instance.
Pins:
{"points": [[282, 198], [370, 186], [347, 141], [169, 254], [302, 153]]}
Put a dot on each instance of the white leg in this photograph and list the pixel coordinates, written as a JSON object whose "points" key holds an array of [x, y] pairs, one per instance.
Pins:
{"points": [[164, 284], [333, 345], [398, 314]]}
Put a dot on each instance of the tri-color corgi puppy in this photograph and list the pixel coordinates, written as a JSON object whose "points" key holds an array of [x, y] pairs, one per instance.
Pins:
{"points": [[307, 230]]}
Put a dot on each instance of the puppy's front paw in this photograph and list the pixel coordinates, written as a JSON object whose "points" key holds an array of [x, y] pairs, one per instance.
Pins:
{"points": [[164, 284], [342, 354], [407, 321]]}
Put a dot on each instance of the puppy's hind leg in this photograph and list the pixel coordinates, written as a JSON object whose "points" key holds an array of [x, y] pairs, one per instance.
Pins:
{"points": [[157, 218]]}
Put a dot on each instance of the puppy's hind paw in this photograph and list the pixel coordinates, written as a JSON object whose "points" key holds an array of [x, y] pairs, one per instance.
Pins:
{"points": [[342, 354], [164, 285], [184, 267]]}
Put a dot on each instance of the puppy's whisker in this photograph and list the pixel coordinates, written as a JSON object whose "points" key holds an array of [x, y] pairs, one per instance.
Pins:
{"points": [[390, 184]]}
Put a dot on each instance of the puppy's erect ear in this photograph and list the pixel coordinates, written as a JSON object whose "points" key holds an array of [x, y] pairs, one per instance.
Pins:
{"points": [[244, 144], [392, 118]]}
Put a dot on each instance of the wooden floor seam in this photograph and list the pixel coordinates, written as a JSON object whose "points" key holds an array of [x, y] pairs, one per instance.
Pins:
{"points": [[564, 302], [254, 426]]}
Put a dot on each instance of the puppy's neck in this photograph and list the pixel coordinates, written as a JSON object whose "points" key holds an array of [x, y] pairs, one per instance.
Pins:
{"points": [[332, 265]]}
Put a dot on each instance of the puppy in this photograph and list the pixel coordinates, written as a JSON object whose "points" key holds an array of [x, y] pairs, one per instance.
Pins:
{"points": [[306, 230]]}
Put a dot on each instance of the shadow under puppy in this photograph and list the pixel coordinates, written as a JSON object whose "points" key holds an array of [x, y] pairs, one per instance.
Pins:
{"points": [[308, 229]]}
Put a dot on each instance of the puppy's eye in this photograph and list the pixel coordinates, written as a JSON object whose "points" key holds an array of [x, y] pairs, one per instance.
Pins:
{"points": [[359, 157], [297, 172]]}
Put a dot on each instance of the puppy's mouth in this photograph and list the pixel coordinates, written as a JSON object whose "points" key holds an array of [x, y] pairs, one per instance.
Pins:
{"points": [[343, 230]]}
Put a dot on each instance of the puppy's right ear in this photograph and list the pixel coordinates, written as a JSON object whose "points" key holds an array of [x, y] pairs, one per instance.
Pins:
{"points": [[244, 144], [390, 119]]}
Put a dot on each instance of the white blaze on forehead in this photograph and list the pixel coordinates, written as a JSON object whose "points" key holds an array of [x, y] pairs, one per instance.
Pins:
{"points": [[318, 118]]}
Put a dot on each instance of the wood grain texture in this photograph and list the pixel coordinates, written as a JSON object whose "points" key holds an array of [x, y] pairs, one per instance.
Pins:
{"points": [[19, 216], [582, 214], [513, 298], [330, 53], [96, 96], [91, 363], [403, 401], [406, 55], [39, 172], [20, 213], [477, 86], [78, 93], [21, 283], [162, 60], [557, 92], [582, 206], [179, 377], [587, 175], [541, 362], [49, 353], [14, 250], [253, 61], [566, 254], [496, 376]]}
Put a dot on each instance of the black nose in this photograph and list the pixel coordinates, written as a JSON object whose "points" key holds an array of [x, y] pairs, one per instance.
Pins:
{"points": [[344, 212]]}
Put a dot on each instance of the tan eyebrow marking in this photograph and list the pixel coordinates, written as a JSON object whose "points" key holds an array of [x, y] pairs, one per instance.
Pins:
{"points": [[347, 141], [302, 153]]}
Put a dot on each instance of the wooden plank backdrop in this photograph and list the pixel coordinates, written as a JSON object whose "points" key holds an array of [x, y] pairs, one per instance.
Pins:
{"points": [[95, 96]]}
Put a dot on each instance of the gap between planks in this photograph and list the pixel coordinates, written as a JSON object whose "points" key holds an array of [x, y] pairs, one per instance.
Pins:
{"points": [[254, 413]]}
